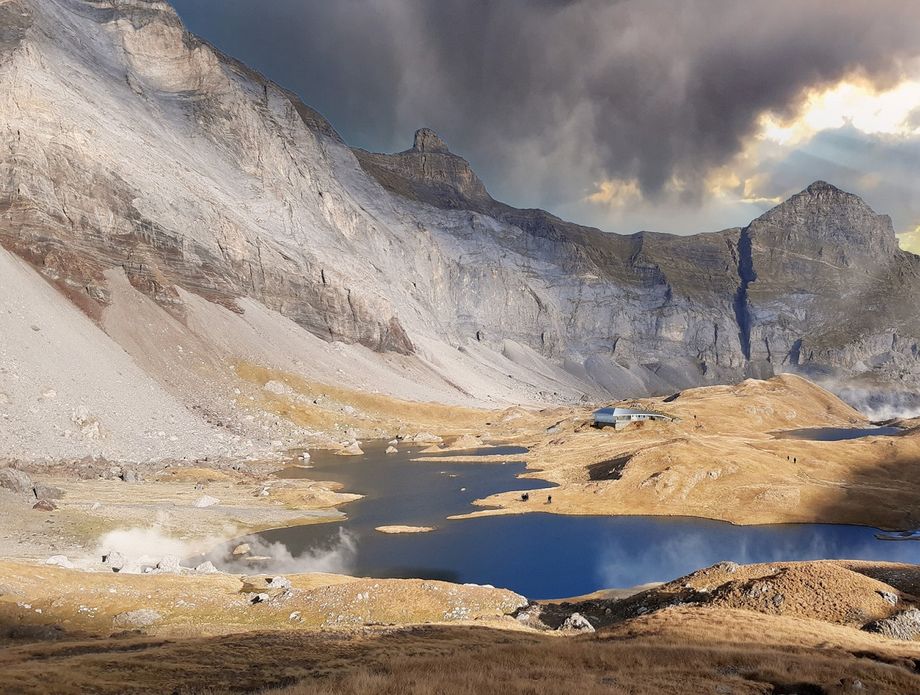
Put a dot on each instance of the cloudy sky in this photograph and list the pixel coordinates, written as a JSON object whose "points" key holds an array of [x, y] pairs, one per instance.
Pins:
{"points": [[672, 115]]}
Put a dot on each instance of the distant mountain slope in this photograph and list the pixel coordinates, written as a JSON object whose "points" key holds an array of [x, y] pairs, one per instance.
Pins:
{"points": [[133, 150]]}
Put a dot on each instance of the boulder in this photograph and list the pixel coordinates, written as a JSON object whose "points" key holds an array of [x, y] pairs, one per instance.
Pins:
{"points": [[277, 388], [279, 583], [115, 561], [426, 438], [576, 623], [15, 480], [130, 476], [259, 598], [90, 471], [392, 450], [353, 449], [207, 567], [144, 617], [530, 616], [44, 506], [242, 549], [903, 626], [59, 561], [47, 492], [169, 564], [889, 597], [206, 501]]}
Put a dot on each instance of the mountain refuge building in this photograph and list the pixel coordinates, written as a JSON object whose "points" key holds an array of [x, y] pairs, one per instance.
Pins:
{"points": [[620, 417]]}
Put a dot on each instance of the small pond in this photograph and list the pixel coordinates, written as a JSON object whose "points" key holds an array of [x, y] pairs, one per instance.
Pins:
{"points": [[540, 555]]}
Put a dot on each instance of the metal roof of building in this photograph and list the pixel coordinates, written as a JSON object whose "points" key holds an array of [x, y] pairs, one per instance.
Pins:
{"points": [[628, 411]]}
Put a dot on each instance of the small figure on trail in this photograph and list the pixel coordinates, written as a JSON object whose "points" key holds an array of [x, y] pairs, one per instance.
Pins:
{"points": [[525, 497], [549, 499]]}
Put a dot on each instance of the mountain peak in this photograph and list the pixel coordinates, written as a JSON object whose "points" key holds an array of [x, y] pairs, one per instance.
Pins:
{"points": [[426, 140], [428, 171], [824, 215], [818, 187]]}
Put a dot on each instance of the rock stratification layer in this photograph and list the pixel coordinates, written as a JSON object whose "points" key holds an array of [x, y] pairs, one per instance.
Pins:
{"points": [[133, 151]]}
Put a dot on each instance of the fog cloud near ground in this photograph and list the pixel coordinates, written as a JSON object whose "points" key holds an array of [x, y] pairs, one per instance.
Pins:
{"points": [[336, 557], [550, 98]]}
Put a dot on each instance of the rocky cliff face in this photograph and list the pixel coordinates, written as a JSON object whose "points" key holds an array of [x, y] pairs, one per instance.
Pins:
{"points": [[817, 284], [130, 146]]}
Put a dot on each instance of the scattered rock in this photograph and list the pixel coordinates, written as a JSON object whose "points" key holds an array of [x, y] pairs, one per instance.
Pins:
{"points": [[130, 476], [730, 567], [143, 617], [889, 597], [295, 617], [426, 438], [277, 388], [169, 564], [279, 583], [392, 450], [530, 616], [242, 549], [206, 501], [87, 422], [47, 492], [59, 561], [96, 506], [15, 480], [259, 598], [44, 506], [207, 567], [576, 623], [903, 626], [353, 449], [89, 471], [852, 684], [114, 561]]}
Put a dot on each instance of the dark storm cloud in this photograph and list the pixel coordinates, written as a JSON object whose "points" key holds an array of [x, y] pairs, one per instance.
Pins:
{"points": [[546, 97]]}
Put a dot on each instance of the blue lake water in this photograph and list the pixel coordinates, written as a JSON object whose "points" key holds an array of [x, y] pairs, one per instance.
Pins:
{"points": [[539, 555], [836, 434]]}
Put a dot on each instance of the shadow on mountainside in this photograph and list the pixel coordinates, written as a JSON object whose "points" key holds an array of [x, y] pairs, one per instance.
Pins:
{"points": [[720, 657]]}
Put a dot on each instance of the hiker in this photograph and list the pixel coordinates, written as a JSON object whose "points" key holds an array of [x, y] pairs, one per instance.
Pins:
{"points": [[525, 497], [549, 499]]}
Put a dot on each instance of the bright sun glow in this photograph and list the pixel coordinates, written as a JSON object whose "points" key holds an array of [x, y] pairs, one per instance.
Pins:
{"points": [[891, 112]]}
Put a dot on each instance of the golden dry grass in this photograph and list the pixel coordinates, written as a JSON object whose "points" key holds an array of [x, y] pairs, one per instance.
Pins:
{"points": [[689, 651], [692, 648], [723, 460]]}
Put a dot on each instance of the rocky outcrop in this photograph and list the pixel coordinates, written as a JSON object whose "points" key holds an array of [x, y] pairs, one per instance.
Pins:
{"points": [[429, 172]]}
